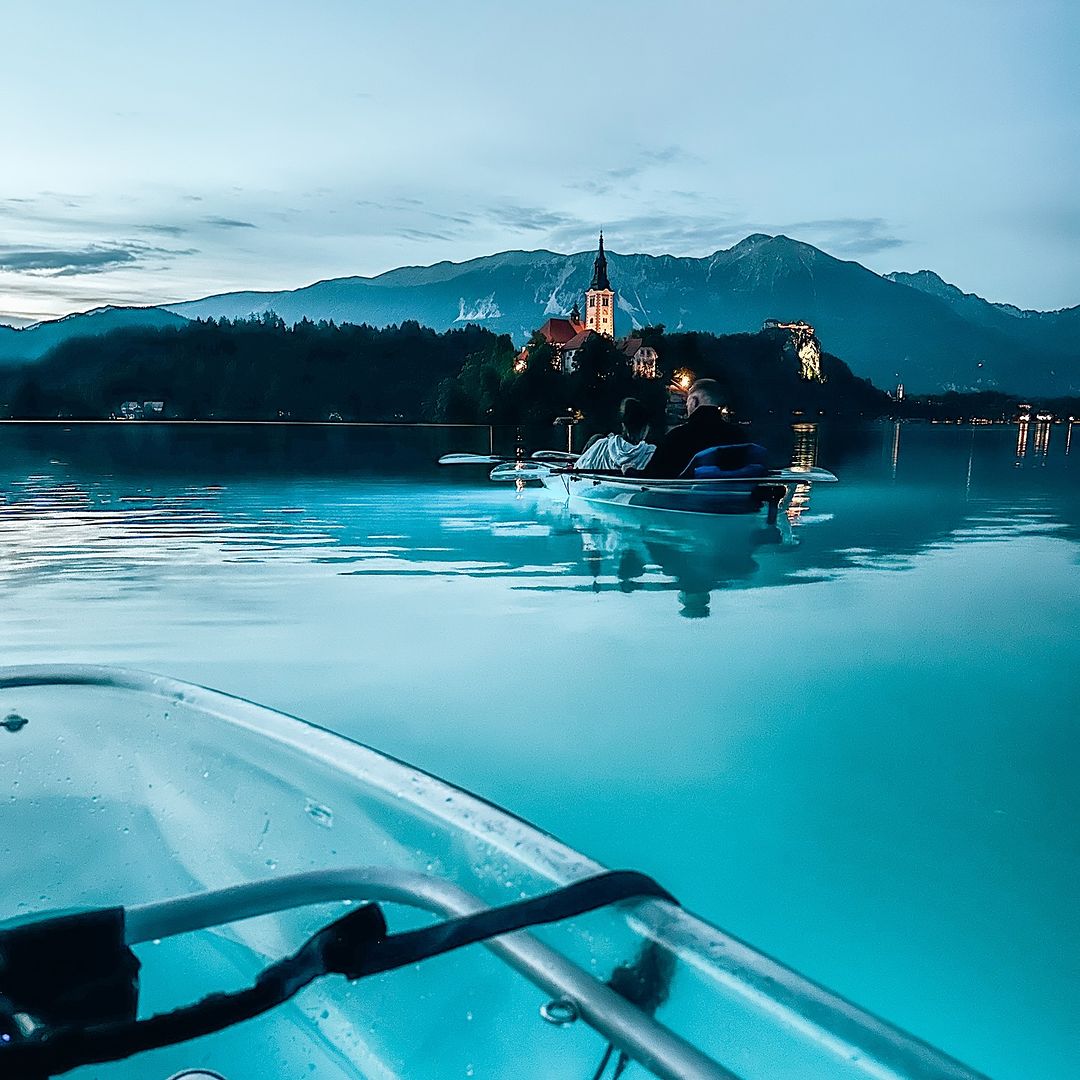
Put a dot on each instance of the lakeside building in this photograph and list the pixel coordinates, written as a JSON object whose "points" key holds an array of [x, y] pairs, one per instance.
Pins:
{"points": [[141, 410], [568, 335]]}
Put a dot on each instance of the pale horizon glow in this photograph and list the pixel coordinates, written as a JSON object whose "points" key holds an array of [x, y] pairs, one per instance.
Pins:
{"points": [[155, 154]]}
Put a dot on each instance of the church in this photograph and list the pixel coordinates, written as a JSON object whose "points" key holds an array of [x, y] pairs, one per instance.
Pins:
{"points": [[568, 335]]}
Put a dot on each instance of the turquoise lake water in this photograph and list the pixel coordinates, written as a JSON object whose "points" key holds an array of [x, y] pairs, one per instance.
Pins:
{"points": [[853, 741]]}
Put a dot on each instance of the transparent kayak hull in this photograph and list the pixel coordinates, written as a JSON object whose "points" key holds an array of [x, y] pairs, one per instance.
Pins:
{"points": [[129, 789], [709, 497]]}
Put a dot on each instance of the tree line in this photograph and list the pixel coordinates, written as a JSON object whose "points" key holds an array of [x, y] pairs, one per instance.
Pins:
{"points": [[262, 369]]}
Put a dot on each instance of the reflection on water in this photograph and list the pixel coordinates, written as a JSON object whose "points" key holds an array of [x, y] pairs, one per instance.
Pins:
{"points": [[870, 720], [1042, 438], [626, 551], [894, 456], [803, 456], [135, 527]]}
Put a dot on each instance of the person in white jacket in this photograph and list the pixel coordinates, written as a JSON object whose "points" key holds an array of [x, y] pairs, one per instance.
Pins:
{"points": [[626, 452]]}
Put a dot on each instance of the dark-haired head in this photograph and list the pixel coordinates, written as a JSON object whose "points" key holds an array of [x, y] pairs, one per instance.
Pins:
{"points": [[635, 419], [704, 392]]}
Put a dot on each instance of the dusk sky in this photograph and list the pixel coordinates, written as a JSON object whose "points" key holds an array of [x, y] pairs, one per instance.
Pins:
{"points": [[156, 152]]}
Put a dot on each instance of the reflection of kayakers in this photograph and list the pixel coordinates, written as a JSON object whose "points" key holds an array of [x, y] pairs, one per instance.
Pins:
{"points": [[700, 568], [625, 452], [705, 427]]}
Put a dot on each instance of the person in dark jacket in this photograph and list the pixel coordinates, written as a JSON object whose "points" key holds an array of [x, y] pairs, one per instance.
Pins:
{"points": [[705, 427]]}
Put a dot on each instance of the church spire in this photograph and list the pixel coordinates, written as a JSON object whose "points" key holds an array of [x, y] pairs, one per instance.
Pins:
{"points": [[599, 274], [600, 298]]}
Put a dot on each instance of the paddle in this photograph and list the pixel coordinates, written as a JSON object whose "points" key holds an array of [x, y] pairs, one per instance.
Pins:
{"points": [[559, 456], [472, 459], [563, 457]]}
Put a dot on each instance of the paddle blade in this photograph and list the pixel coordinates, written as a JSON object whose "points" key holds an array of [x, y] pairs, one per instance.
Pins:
{"points": [[561, 456], [470, 459]]}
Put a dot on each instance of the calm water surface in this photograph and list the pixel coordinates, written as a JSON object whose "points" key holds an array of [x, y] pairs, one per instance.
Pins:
{"points": [[852, 741]]}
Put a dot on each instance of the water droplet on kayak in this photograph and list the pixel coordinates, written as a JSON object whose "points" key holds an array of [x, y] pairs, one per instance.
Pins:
{"points": [[321, 815], [14, 722]]}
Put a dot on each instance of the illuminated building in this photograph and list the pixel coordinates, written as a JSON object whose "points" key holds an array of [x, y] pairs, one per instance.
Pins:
{"points": [[568, 335], [643, 358], [600, 298]]}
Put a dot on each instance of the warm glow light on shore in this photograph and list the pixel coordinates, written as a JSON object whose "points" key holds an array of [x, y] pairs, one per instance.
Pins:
{"points": [[682, 380]]}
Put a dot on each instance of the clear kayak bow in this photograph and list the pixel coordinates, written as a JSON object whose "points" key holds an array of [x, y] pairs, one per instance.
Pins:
{"points": [[255, 899]]}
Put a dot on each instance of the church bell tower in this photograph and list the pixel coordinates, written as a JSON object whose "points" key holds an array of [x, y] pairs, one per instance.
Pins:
{"points": [[600, 298]]}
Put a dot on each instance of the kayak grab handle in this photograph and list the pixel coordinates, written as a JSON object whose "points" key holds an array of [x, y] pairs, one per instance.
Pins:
{"points": [[627, 1027]]}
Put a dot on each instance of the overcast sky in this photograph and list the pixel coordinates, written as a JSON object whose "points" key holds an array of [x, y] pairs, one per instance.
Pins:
{"points": [[154, 152]]}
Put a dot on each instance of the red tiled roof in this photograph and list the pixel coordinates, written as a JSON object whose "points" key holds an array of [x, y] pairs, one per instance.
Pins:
{"points": [[579, 339], [558, 331], [631, 345]]}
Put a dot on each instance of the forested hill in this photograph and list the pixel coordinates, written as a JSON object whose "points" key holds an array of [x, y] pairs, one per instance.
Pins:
{"points": [[261, 369]]}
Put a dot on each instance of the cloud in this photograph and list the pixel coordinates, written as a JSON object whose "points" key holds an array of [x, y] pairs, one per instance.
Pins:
{"points": [[228, 223], [421, 234], [164, 230], [689, 233], [455, 219], [653, 232], [530, 218], [639, 161], [58, 262], [847, 236], [664, 155], [91, 259]]}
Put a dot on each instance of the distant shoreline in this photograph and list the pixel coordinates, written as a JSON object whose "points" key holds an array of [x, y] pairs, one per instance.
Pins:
{"points": [[253, 423], [120, 422]]}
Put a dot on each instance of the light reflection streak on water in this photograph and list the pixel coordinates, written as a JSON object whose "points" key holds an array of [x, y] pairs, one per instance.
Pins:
{"points": [[803, 456], [1021, 441]]}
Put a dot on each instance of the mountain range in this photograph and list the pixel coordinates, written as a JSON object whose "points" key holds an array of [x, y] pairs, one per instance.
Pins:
{"points": [[910, 328]]}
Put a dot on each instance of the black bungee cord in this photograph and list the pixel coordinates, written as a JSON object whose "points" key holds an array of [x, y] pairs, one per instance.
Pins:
{"points": [[69, 983]]}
